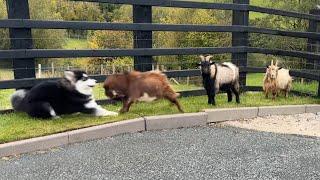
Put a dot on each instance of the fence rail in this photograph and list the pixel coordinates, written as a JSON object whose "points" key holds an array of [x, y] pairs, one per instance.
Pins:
{"points": [[81, 25], [53, 53], [27, 83], [23, 55], [206, 5]]}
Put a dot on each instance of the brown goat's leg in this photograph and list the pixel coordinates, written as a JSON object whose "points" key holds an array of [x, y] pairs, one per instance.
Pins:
{"points": [[176, 102], [126, 105], [274, 94]]}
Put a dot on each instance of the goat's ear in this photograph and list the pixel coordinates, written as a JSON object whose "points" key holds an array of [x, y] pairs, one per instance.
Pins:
{"points": [[279, 68], [212, 63]]}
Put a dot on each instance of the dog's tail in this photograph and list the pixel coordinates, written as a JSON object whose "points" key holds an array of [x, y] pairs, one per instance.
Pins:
{"points": [[17, 99]]}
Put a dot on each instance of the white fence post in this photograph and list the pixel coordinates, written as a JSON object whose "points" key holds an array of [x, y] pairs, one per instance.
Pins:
{"points": [[39, 70], [52, 69], [113, 69]]}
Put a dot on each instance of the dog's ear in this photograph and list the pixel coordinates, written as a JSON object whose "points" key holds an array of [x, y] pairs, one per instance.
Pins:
{"points": [[279, 68], [69, 75], [198, 64]]}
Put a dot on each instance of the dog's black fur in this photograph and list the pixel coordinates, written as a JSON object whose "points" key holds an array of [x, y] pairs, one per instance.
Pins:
{"points": [[52, 98]]}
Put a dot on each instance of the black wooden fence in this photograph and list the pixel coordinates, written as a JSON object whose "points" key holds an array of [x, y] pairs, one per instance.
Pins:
{"points": [[23, 54]]}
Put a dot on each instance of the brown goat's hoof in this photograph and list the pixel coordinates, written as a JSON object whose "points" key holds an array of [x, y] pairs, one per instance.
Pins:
{"points": [[122, 111]]}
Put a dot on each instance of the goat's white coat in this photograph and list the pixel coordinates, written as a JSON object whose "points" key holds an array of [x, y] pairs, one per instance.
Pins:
{"points": [[225, 75], [284, 80], [146, 98]]}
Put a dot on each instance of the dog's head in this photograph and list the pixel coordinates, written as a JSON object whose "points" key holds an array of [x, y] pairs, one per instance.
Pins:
{"points": [[81, 81]]}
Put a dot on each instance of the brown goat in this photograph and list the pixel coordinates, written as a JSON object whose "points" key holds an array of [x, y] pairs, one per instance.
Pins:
{"points": [[276, 79], [140, 86], [269, 81]]}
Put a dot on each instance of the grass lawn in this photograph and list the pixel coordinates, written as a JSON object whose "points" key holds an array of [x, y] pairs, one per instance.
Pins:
{"points": [[18, 126], [256, 79], [76, 44]]}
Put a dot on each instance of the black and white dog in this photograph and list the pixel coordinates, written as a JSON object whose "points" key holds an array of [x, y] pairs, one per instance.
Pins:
{"points": [[71, 94]]}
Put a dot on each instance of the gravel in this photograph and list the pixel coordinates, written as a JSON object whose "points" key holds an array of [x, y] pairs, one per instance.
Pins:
{"points": [[193, 153], [307, 124]]}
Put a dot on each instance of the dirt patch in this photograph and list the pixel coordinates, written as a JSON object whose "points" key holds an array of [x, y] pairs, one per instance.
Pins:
{"points": [[302, 124]]}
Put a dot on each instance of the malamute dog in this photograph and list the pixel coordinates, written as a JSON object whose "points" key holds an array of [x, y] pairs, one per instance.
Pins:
{"points": [[71, 94]]}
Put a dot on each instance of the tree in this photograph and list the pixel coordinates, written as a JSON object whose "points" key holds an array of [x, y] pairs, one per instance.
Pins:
{"points": [[79, 11]]}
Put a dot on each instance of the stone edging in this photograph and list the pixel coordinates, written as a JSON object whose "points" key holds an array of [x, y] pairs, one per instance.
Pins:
{"points": [[148, 124]]}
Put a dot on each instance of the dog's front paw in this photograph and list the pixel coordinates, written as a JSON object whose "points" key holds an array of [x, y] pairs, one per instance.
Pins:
{"points": [[103, 112]]}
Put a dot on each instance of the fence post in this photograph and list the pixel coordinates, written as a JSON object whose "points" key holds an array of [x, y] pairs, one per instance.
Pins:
{"points": [[52, 69], [21, 38], [39, 71], [240, 38], [142, 39], [314, 45]]}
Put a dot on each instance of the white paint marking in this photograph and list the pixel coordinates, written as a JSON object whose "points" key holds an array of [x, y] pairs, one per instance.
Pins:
{"points": [[146, 98]]}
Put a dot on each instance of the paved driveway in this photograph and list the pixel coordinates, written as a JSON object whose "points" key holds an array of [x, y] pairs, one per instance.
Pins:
{"points": [[195, 153]]}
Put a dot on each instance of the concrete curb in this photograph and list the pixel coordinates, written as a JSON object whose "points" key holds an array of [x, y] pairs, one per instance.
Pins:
{"points": [[281, 110], [147, 124], [34, 144], [176, 121], [107, 130], [315, 108], [81, 135], [218, 115]]}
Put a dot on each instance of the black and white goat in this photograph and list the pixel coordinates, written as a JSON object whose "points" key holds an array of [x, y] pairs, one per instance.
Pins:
{"points": [[224, 77]]}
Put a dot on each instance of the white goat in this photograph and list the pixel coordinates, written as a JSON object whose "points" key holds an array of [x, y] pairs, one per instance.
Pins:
{"points": [[218, 77], [276, 79]]}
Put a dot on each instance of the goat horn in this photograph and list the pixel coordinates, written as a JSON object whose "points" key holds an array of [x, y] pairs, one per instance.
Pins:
{"points": [[202, 57], [276, 63], [208, 58]]}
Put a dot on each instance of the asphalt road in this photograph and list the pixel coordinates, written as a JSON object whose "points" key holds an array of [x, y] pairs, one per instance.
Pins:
{"points": [[195, 153]]}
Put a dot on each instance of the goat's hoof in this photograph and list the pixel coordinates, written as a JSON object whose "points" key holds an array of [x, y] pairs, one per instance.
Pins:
{"points": [[122, 111]]}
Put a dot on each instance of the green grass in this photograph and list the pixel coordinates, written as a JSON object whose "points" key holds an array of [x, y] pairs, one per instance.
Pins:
{"points": [[98, 93], [5, 98], [76, 44], [18, 126], [256, 79]]}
